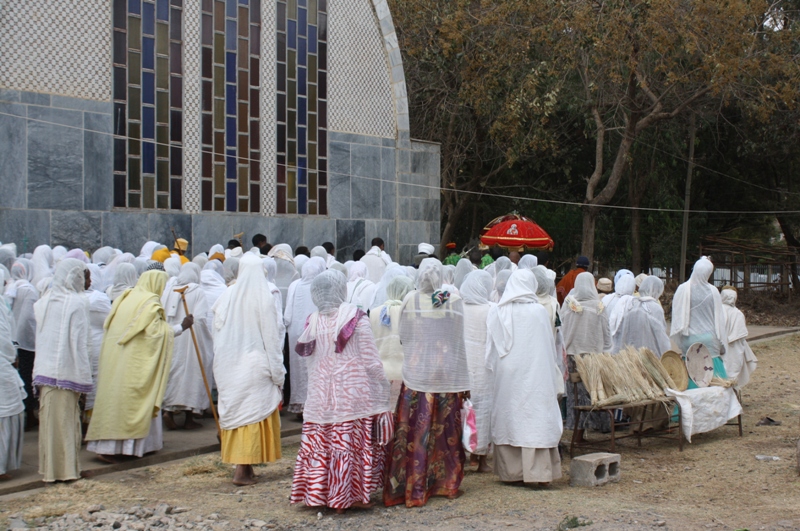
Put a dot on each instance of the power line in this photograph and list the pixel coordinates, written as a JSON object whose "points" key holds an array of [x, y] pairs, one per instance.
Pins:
{"points": [[477, 193]]}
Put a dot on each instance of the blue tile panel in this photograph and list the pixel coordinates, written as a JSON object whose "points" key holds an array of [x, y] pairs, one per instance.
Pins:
{"points": [[302, 178], [231, 153], [148, 104]]}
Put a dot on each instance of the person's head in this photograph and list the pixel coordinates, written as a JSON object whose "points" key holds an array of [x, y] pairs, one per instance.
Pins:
{"points": [[302, 250], [475, 257], [582, 263], [625, 286], [496, 252], [358, 254], [72, 275], [728, 294], [652, 286], [702, 270], [259, 240], [429, 277], [514, 256], [181, 246], [484, 249], [328, 291], [604, 285], [528, 261], [451, 247], [329, 248], [233, 244], [377, 242]]}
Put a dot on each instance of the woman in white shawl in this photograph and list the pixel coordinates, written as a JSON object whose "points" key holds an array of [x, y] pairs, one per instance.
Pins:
{"points": [[12, 396], [43, 263], [475, 292], [21, 295], [526, 418], [287, 273], [172, 266], [125, 278], [299, 306], [248, 369], [545, 287], [624, 285], [528, 261], [360, 290], [270, 270], [391, 272], [740, 362], [463, 268], [110, 271], [385, 323], [186, 391], [63, 370], [435, 381], [347, 419], [698, 317], [584, 323], [99, 308], [449, 279], [639, 321], [500, 284], [212, 281]]}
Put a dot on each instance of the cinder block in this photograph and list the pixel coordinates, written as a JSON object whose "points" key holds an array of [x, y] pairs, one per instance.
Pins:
{"points": [[593, 470]]}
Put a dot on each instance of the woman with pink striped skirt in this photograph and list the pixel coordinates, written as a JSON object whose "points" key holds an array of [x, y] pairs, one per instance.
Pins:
{"points": [[347, 418]]}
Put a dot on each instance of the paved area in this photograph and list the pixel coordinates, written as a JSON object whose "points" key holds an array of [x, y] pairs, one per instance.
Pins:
{"points": [[177, 444], [182, 443]]}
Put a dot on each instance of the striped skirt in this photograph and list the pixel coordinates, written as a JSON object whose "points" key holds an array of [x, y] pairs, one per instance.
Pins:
{"points": [[341, 464]]}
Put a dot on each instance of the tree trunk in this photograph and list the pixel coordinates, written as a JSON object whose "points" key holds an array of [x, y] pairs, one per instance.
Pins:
{"points": [[453, 219], [794, 244], [589, 220]]}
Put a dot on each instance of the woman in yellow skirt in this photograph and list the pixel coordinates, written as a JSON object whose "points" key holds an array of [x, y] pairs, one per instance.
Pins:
{"points": [[248, 369]]}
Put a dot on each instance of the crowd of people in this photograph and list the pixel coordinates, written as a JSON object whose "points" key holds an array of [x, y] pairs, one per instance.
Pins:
{"points": [[376, 358]]}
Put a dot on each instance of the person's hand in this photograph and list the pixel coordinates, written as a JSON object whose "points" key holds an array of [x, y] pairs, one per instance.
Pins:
{"points": [[188, 321]]}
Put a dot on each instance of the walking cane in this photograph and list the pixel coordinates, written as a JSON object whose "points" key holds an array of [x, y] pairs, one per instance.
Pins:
{"points": [[200, 361]]}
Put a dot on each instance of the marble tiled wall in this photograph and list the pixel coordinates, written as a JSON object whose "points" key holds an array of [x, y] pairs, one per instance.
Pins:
{"points": [[55, 188]]}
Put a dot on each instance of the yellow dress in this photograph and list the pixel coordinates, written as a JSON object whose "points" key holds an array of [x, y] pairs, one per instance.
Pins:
{"points": [[253, 444]]}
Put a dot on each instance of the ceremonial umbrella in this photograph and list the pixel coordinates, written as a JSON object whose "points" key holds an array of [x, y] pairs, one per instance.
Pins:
{"points": [[516, 232]]}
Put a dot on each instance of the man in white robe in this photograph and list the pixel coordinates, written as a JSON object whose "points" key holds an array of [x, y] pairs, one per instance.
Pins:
{"points": [[526, 418], [376, 260]]}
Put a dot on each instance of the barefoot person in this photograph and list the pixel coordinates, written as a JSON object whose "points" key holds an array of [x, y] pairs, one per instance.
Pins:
{"points": [[134, 366], [62, 370], [426, 457], [248, 369], [186, 391], [476, 291], [526, 418], [348, 422]]}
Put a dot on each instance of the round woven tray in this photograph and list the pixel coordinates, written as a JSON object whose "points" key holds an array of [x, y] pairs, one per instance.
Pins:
{"points": [[674, 365]]}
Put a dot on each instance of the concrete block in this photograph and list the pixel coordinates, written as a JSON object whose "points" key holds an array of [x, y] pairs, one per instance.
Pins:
{"points": [[27, 228], [318, 230], [366, 198], [55, 162], [365, 161], [75, 229], [339, 158], [98, 167], [338, 195], [388, 200], [593, 470]]}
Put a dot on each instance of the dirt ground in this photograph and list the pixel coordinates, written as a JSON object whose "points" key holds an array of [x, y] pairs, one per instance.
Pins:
{"points": [[715, 483]]}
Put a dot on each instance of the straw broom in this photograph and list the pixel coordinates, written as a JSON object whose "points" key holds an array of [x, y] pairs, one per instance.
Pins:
{"points": [[656, 369]]}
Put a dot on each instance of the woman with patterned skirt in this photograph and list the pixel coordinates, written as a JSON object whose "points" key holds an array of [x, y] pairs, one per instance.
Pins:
{"points": [[347, 419], [426, 457]]}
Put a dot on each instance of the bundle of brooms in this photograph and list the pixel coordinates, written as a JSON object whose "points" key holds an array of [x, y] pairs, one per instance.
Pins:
{"points": [[629, 376]]}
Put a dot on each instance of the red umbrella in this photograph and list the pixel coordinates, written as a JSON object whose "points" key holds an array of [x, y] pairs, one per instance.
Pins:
{"points": [[514, 231]]}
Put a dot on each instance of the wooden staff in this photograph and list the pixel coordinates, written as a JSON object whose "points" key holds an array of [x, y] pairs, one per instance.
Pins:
{"points": [[175, 237], [200, 361]]}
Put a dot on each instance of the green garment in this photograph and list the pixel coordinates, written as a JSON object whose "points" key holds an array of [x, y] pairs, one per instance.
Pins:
{"points": [[134, 363], [452, 259], [486, 260]]}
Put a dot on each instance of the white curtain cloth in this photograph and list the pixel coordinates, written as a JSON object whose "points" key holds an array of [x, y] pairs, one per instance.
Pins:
{"points": [[697, 315], [248, 358], [522, 357], [584, 322], [63, 332], [434, 356], [740, 362], [185, 387], [298, 307], [475, 292], [346, 377]]}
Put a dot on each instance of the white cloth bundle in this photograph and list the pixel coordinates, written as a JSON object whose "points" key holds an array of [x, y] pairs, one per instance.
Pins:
{"points": [[248, 359]]}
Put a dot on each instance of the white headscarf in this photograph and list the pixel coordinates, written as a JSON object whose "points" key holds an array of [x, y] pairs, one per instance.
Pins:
{"points": [[124, 278], [287, 273], [624, 286], [172, 266], [463, 268], [104, 255], [528, 261], [147, 250], [247, 350], [201, 260], [63, 331], [584, 321], [299, 262], [380, 289], [59, 251], [639, 321], [43, 263], [212, 282], [476, 288], [500, 281], [692, 293], [521, 288]]}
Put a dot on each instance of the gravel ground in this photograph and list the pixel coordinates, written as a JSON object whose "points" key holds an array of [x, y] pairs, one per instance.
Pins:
{"points": [[715, 483]]}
